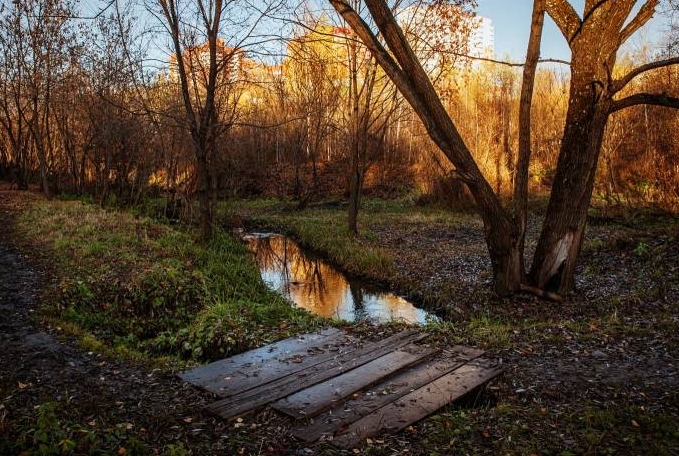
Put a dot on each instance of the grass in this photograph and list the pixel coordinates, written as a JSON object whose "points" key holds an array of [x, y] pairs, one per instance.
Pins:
{"points": [[324, 229], [143, 288], [51, 430], [321, 230]]}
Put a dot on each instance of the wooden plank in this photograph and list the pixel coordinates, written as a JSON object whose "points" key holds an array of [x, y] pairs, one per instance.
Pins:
{"points": [[242, 372], [277, 350], [255, 375], [264, 394], [420, 403], [385, 392], [319, 397]]}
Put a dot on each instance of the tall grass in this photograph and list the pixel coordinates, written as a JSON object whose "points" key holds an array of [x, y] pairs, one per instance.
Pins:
{"points": [[138, 285]]}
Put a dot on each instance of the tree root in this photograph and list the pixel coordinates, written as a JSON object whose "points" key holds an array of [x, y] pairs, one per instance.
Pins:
{"points": [[541, 293]]}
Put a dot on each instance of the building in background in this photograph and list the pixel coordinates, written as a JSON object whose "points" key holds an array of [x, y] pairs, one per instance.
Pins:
{"points": [[482, 38], [240, 79], [230, 62]]}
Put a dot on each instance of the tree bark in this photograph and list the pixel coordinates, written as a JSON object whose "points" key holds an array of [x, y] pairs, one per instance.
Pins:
{"points": [[594, 42], [520, 199], [560, 241]]}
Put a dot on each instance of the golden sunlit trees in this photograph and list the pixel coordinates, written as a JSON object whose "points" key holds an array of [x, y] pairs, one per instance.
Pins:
{"points": [[313, 77], [337, 86], [594, 40], [208, 70]]}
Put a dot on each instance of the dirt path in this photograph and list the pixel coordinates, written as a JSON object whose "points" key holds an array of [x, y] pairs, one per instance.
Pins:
{"points": [[109, 399]]}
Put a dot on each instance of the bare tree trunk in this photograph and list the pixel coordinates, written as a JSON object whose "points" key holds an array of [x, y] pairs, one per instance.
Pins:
{"points": [[202, 122], [520, 198], [206, 221], [354, 197], [560, 242]]}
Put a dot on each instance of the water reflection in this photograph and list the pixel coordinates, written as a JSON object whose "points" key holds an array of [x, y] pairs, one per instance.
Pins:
{"points": [[318, 287]]}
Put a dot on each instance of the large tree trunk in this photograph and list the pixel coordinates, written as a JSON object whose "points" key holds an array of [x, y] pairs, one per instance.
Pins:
{"points": [[506, 257], [594, 41], [560, 242], [520, 198]]}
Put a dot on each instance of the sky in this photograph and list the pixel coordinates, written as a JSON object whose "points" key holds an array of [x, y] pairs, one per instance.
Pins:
{"points": [[511, 19]]}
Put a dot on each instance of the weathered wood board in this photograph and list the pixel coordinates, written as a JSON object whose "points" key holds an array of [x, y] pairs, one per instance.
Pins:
{"points": [[315, 399], [383, 393], [263, 394], [240, 373], [342, 388], [418, 404]]}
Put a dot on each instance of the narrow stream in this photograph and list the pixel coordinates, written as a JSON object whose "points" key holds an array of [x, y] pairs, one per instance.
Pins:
{"points": [[316, 286]]}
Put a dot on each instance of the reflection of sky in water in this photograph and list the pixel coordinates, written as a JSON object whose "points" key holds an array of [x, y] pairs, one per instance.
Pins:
{"points": [[320, 288]]}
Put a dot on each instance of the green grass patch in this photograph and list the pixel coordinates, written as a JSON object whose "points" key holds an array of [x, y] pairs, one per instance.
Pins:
{"points": [[139, 286], [323, 228], [50, 429], [483, 332]]}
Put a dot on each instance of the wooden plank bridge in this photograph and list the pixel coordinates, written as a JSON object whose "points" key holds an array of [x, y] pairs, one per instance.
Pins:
{"points": [[336, 386]]}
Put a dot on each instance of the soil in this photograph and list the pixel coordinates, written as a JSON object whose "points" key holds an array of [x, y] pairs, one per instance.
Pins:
{"points": [[590, 377], [37, 365]]}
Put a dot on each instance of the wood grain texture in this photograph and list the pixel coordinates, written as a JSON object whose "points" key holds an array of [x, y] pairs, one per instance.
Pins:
{"points": [[285, 386], [418, 404], [240, 373], [385, 392], [319, 397]]}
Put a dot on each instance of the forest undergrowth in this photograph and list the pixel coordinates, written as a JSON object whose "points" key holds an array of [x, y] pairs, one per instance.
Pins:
{"points": [[594, 375]]}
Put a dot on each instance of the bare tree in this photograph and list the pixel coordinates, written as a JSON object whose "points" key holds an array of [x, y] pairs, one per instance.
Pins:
{"points": [[207, 72], [594, 41], [36, 40], [312, 90], [370, 106]]}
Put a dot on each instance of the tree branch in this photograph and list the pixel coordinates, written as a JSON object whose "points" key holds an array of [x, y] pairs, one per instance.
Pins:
{"points": [[620, 84], [378, 51], [506, 63], [643, 16], [566, 18], [655, 99]]}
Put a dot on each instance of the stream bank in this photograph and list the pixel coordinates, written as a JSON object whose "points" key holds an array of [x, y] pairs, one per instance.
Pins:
{"points": [[595, 376]]}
